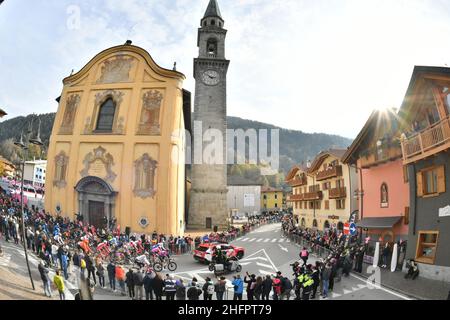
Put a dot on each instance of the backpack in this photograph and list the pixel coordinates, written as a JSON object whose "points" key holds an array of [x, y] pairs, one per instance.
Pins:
{"points": [[210, 289]]}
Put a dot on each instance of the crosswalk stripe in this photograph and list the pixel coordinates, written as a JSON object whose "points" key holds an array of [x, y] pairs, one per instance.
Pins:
{"points": [[264, 265], [259, 240], [255, 258], [287, 240], [336, 295], [264, 272], [245, 239], [347, 291], [267, 240], [252, 239], [281, 240], [274, 240]]}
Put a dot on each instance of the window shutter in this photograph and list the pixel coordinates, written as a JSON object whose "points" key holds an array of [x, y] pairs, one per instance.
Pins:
{"points": [[406, 221], [441, 179], [419, 184]]}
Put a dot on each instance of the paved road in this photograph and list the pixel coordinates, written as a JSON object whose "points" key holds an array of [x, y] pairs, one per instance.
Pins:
{"points": [[266, 252]]}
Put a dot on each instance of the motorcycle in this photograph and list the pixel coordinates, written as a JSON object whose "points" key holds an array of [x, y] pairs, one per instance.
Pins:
{"points": [[220, 268]]}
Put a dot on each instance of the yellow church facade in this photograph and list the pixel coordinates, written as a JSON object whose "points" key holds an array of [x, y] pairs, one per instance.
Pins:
{"points": [[116, 149]]}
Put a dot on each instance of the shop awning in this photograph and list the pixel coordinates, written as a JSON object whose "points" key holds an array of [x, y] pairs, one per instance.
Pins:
{"points": [[378, 222]]}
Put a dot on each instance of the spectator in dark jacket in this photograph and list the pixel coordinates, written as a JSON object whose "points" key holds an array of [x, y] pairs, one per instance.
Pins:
{"points": [[250, 285], [148, 285], [130, 283], [90, 268], [111, 268], [43, 271], [194, 292], [138, 280], [158, 285], [267, 288], [258, 291], [180, 290]]}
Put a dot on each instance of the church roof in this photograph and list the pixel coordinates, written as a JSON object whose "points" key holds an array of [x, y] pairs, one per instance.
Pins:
{"points": [[213, 10]]}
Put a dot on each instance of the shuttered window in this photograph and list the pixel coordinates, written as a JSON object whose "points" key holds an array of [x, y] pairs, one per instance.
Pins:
{"points": [[431, 181]]}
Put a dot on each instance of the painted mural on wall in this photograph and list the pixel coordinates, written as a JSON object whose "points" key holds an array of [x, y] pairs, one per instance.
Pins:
{"points": [[61, 163], [149, 123], [145, 169], [99, 163], [69, 114], [116, 69]]}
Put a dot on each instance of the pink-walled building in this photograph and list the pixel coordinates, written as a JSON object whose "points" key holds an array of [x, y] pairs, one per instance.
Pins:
{"points": [[383, 188]]}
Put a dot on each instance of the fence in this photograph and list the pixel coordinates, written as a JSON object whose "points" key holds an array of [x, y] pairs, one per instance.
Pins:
{"points": [[316, 250]]}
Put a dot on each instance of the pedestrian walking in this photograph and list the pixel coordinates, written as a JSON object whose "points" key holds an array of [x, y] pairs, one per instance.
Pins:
{"points": [[138, 281], [44, 272], [58, 281], [304, 255]]}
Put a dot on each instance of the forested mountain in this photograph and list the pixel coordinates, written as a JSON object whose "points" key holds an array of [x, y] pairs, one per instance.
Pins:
{"points": [[295, 146]]}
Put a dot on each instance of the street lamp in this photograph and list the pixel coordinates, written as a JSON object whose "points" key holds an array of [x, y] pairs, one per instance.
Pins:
{"points": [[25, 147]]}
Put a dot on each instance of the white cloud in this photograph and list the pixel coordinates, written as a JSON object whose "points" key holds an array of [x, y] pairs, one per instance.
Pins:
{"points": [[316, 66]]}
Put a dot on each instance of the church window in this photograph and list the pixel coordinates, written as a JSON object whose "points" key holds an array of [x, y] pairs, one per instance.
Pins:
{"points": [[213, 22], [106, 116], [204, 24], [145, 169]]}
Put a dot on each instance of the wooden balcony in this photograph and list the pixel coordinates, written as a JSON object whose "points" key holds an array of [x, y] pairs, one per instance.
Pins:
{"points": [[329, 173], [298, 181], [309, 196], [428, 142], [379, 157], [337, 193]]}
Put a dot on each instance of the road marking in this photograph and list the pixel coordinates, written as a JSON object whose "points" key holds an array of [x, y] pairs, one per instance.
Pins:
{"points": [[252, 239], [283, 248], [270, 260], [199, 278], [267, 240], [346, 291], [264, 265], [255, 258], [259, 240], [274, 240], [244, 263], [287, 240], [281, 240], [335, 295], [264, 272], [382, 288], [244, 239]]}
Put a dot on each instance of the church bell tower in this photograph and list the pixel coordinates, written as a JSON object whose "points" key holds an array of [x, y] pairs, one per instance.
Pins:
{"points": [[208, 201]]}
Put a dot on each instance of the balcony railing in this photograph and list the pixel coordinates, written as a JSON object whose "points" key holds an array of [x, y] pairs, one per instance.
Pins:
{"points": [[337, 193], [434, 139], [298, 181], [335, 171], [378, 157], [309, 196]]}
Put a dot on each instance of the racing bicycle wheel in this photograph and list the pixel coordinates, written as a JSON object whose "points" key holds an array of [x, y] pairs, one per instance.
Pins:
{"points": [[172, 266], [158, 267], [238, 268], [211, 267]]}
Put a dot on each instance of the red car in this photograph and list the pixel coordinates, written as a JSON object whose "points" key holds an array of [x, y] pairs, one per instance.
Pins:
{"points": [[205, 251]]}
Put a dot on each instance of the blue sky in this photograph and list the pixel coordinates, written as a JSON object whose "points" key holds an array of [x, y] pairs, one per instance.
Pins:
{"points": [[310, 65]]}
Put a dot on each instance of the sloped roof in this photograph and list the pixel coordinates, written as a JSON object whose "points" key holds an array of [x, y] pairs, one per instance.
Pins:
{"points": [[291, 174], [270, 189], [213, 10], [338, 153]]}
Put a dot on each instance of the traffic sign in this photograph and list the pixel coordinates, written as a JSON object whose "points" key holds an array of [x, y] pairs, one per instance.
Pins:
{"points": [[353, 229], [347, 228]]}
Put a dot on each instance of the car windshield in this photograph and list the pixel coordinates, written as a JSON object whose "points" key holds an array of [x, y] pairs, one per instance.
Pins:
{"points": [[203, 249]]}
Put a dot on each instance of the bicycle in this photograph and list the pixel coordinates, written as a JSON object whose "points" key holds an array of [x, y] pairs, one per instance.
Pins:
{"points": [[165, 263]]}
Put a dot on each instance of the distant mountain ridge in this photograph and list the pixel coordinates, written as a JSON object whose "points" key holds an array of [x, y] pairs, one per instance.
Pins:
{"points": [[295, 146]]}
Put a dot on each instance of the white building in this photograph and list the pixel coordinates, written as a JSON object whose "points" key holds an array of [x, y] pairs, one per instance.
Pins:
{"points": [[35, 173], [243, 197]]}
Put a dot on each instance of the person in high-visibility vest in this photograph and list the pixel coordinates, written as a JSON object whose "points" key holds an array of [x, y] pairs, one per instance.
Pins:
{"points": [[308, 283]]}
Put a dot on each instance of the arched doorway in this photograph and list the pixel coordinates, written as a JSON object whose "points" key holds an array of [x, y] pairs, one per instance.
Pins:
{"points": [[314, 223], [96, 201], [326, 225]]}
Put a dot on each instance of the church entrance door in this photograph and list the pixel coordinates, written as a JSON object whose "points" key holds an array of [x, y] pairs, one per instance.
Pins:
{"points": [[97, 214]]}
